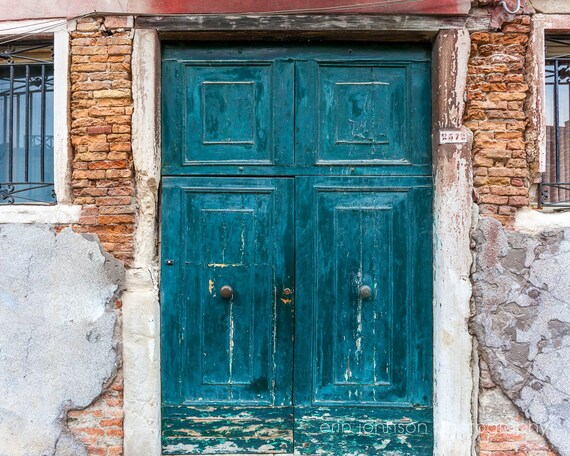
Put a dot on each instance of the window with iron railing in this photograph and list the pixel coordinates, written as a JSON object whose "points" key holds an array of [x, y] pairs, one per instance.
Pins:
{"points": [[555, 186], [26, 124]]}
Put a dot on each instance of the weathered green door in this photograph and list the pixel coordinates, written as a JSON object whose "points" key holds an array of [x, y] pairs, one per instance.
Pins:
{"points": [[226, 335], [296, 250], [363, 345]]}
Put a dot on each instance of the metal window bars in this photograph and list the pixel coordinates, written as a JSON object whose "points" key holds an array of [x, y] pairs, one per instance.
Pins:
{"points": [[26, 124], [554, 190]]}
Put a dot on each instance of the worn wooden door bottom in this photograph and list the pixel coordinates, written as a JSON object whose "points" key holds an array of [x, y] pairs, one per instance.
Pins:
{"points": [[223, 430]]}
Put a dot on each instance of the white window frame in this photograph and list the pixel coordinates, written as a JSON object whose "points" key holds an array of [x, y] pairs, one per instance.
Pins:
{"points": [[542, 24], [63, 211]]}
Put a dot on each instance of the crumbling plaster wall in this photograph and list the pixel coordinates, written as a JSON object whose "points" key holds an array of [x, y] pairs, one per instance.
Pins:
{"points": [[521, 298], [58, 335], [521, 292]]}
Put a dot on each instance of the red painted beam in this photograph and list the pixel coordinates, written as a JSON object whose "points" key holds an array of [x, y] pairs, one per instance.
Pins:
{"points": [[64, 8], [307, 6]]}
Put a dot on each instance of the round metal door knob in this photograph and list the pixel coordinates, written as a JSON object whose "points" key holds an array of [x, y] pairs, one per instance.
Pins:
{"points": [[365, 292], [226, 292]]}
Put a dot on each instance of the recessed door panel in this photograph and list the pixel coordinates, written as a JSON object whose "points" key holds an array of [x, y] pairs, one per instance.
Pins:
{"points": [[227, 112], [227, 321], [365, 113], [357, 359]]}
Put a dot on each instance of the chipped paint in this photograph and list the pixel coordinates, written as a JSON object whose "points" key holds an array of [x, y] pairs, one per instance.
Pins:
{"points": [[180, 448], [226, 447], [274, 344], [382, 445], [241, 430], [231, 345], [348, 372], [225, 265], [403, 440], [362, 432]]}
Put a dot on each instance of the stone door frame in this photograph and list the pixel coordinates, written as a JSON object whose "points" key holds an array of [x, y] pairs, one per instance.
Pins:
{"points": [[454, 364]]}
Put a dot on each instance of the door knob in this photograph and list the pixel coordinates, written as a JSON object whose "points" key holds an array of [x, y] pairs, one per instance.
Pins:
{"points": [[365, 292], [226, 292]]}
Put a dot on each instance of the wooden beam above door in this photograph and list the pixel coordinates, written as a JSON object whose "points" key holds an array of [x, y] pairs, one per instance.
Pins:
{"points": [[388, 26]]}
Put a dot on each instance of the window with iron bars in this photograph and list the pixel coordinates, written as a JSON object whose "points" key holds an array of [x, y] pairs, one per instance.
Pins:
{"points": [[554, 189], [26, 124]]}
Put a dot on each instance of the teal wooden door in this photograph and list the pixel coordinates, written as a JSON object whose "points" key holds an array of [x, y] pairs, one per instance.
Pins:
{"points": [[363, 316], [226, 315], [296, 250]]}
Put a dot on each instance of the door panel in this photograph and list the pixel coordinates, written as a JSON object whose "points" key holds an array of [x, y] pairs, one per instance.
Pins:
{"points": [[291, 110], [227, 350], [363, 307], [363, 112], [357, 359], [223, 112]]}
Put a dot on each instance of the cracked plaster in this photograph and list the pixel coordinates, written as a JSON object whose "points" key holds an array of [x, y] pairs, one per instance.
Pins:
{"points": [[521, 291], [58, 346]]}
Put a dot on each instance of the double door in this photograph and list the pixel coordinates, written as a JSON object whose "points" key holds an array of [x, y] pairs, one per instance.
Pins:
{"points": [[296, 250]]}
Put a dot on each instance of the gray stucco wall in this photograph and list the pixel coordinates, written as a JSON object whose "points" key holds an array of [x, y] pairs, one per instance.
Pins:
{"points": [[521, 292], [58, 341]]}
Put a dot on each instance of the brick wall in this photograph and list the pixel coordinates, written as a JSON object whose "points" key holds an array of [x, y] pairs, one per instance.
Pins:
{"points": [[518, 437], [102, 182], [503, 430], [100, 426], [101, 109], [496, 95], [496, 112]]}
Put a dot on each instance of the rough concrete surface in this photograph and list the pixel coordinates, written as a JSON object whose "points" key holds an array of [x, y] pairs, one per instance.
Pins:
{"points": [[58, 345], [521, 291]]}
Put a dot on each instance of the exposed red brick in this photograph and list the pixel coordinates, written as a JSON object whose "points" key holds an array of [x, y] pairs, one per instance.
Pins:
{"points": [[101, 109], [496, 95], [96, 130]]}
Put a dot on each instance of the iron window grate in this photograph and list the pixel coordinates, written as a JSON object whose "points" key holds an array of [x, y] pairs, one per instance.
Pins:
{"points": [[554, 190], [26, 124]]}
